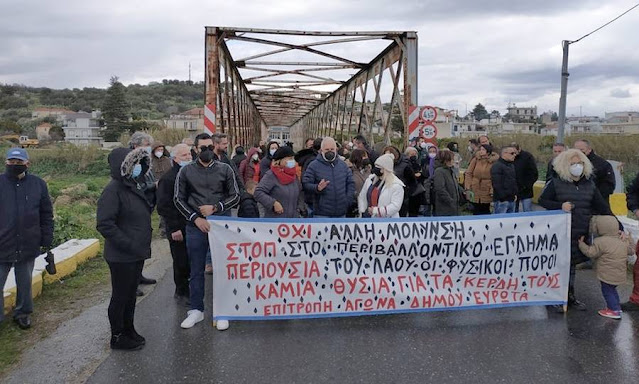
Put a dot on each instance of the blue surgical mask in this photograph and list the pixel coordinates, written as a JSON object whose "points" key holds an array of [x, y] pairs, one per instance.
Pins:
{"points": [[184, 163], [148, 149], [136, 171], [290, 164]]}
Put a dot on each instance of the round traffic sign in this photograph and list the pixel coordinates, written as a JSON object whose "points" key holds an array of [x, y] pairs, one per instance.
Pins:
{"points": [[429, 113], [428, 131]]}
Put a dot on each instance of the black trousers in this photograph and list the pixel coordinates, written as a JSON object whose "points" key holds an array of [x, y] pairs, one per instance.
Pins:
{"points": [[481, 208], [181, 268], [124, 283]]}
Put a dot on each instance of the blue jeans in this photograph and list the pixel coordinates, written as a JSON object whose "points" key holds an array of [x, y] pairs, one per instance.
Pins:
{"points": [[197, 245], [611, 296], [504, 206], [526, 205], [23, 272]]}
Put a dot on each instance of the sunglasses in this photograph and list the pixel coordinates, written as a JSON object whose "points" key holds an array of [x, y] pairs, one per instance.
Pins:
{"points": [[204, 148]]}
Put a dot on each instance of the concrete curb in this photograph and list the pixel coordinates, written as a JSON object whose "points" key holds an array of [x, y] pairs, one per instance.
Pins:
{"points": [[67, 256]]}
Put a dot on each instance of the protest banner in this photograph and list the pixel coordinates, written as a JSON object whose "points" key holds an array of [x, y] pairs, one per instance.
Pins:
{"points": [[302, 268]]}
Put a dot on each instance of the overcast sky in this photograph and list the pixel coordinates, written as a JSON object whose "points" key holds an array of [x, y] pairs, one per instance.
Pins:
{"points": [[470, 51]]}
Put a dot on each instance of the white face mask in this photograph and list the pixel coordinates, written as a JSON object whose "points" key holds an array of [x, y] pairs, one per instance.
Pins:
{"points": [[576, 170], [432, 155], [159, 154], [470, 149], [272, 151], [255, 156], [423, 145]]}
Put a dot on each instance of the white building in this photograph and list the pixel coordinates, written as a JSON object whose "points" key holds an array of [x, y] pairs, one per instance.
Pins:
{"points": [[522, 114], [82, 128]]}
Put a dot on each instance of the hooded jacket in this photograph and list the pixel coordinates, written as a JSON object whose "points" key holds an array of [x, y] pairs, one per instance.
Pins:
{"points": [[336, 198], [608, 249], [26, 214], [247, 170], [391, 198], [124, 213], [197, 185], [163, 164], [477, 177]]}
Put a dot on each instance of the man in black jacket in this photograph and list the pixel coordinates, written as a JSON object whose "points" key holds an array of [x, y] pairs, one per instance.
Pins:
{"points": [[604, 174], [26, 228], [220, 149], [203, 188], [504, 179], [557, 148], [175, 222], [527, 174]]}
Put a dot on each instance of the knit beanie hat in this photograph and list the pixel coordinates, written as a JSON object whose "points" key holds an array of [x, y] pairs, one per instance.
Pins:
{"points": [[385, 162]]}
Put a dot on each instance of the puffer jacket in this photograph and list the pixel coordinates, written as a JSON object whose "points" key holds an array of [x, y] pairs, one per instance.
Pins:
{"points": [[608, 249], [336, 198], [26, 214], [124, 213], [247, 166], [197, 185], [477, 177], [390, 198]]}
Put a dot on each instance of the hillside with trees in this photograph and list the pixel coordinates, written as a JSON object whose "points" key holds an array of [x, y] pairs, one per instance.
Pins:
{"points": [[154, 101]]}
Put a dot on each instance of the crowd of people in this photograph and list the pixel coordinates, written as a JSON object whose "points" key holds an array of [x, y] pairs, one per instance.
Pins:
{"points": [[199, 178]]}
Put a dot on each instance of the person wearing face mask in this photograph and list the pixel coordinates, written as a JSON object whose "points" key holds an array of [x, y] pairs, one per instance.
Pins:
{"points": [[175, 223], [573, 190], [279, 190], [454, 147], [250, 167], [238, 155], [265, 163], [203, 188], [124, 219], [26, 229], [405, 173], [416, 192], [329, 181], [160, 161], [383, 193], [477, 180], [304, 158]]}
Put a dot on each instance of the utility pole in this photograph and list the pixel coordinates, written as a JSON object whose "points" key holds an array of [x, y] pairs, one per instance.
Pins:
{"points": [[562, 97], [189, 72]]}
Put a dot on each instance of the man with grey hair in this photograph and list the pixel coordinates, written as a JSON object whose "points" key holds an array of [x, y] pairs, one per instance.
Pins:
{"points": [[175, 222], [141, 139], [604, 175], [329, 180]]}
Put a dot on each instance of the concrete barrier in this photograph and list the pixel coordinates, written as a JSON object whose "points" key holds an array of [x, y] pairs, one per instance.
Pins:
{"points": [[67, 256]]}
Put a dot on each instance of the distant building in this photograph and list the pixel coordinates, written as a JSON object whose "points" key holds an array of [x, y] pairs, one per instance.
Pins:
{"points": [[279, 134], [191, 120], [522, 114], [82, 128], [583, 124], [42, 131]]}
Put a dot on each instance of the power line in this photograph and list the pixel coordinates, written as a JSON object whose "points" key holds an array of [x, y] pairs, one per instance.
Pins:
{"points": [[610, 22]]}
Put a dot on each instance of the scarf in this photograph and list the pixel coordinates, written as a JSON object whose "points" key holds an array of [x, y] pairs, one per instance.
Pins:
{"points": [[284, 175], [372, 195], [256, 172]]}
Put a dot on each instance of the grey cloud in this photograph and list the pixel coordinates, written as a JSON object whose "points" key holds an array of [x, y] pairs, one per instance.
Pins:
{"points": [[620, 93]]}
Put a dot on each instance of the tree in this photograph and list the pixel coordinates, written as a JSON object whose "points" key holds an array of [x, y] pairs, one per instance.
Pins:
{"points": [[495, 113], [554, 117], [56, 133], [480, 112], [114, 111]]}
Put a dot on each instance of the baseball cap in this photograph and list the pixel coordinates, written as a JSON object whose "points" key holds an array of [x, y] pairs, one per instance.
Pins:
{"points": [[17, 153]]}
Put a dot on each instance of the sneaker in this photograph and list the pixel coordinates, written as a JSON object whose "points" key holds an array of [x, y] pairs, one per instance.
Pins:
{"points": [[576, 304], [630, 306], [147, 281], [222, 325], [609, 313], [193, 317], [24, 321], [125, 343], [208, 269]]}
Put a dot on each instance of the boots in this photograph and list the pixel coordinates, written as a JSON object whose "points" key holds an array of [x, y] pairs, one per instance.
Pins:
{"points": [[134, 335], [575, 304], [125, 343]]}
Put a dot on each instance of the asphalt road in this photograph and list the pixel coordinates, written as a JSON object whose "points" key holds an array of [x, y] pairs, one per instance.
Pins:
{"points": [[513, 345]]}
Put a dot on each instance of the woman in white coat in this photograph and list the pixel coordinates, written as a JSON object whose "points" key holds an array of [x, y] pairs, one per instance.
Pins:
{"points": [[383, 193]]}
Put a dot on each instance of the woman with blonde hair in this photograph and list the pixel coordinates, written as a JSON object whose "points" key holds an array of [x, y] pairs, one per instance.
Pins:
{"points": [[574, 191], [383, 193]]}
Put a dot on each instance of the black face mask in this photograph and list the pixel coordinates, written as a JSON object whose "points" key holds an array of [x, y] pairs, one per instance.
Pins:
{"points": [[16, 170], [206, 156], [329, 156], [413, 158], [366, 162], [377, 172]]}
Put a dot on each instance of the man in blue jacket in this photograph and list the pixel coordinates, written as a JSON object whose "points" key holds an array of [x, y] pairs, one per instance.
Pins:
{"points": [[26, 226], [330, 181]]}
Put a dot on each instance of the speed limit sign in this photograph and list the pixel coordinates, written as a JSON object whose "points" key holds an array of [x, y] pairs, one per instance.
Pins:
{"points": [[428, 131], [429, 114]]}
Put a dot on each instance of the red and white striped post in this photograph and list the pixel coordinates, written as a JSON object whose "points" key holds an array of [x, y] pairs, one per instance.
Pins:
{"points": [[209, 118]]}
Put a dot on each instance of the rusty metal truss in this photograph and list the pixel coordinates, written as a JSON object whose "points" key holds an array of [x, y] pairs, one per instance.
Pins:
{"points": [[316, 83]]}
